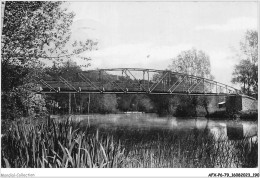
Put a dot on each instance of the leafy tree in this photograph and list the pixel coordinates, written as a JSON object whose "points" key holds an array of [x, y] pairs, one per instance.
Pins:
{"points": [[249, 46], [106, 103], [243, 74], [32, 32], [144, 103], [67, 70], [21, 101], [246, 72], [109, 103], [135, 102], [192, 62], [125, 102], [32, 29], [187, 106], [162, 104], [36, 31], [204, 101]]}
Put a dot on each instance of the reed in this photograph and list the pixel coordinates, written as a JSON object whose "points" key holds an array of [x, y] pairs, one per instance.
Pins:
{"points": [[68, 144], [218, 154], [58, 145]]}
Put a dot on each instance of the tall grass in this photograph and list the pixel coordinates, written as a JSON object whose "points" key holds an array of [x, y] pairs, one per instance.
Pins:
{"points": [[67, 144], [58, 145], [188, 149]]}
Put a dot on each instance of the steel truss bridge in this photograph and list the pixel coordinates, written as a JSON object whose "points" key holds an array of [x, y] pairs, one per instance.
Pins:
{"points": [[135, 81]]}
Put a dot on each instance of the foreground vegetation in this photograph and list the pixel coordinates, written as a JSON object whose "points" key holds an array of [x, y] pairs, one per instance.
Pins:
{"points": [[59, 144]]}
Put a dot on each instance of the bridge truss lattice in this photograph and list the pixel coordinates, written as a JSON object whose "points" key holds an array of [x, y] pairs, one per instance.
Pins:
{"points": [[136, 81]]}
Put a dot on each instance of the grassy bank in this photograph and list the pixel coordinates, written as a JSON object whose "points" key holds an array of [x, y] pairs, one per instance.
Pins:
{"points": [[70, 144]]}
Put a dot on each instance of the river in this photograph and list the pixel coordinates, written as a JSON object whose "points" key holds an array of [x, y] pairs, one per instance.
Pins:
{"points": [[221, 129], [154, 141]]}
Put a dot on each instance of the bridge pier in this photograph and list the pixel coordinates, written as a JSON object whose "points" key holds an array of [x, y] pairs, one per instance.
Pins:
{"points": [[69, 103], [240, 103]]}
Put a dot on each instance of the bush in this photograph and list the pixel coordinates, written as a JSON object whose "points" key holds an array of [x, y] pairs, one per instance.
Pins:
{"points": [[249, 115], [219, 114]]}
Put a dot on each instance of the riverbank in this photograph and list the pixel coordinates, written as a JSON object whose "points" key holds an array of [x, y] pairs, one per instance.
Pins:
{"points": [[242, 115]]}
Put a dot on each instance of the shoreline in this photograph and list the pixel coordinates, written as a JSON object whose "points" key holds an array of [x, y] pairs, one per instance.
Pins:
{"points": [[220, 115], [240, 115]]}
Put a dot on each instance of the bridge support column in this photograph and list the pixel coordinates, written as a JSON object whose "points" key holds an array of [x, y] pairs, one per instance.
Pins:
{"points": [[69, 103], [148, 79], [241, 103], [81, 103]]}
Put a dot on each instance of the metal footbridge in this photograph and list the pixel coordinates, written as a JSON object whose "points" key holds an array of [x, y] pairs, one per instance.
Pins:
{"points": [[135, 81]]}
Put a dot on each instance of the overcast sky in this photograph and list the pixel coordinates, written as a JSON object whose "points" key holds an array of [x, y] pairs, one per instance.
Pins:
{"points": [[150, 34]]}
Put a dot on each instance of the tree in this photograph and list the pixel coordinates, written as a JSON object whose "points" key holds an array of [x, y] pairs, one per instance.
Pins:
{"points": [[187, 106], [67, 70], [109, 103], [246, 72], [106, 103], [32, 29], [192, 62], [27, 27], [249, 46], [32, 32], [162, 104], [125, 102], [37, 31], [144, 103], [204, 102], [243, 74]]}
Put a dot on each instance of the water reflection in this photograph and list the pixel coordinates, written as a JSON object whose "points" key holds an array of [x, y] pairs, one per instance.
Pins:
{"points": [[235, 131], [178, 142], [221, 129]]}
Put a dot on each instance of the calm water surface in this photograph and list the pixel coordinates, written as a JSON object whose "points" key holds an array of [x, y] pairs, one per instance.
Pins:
{"points": [[176, 142], [221, 129]]}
